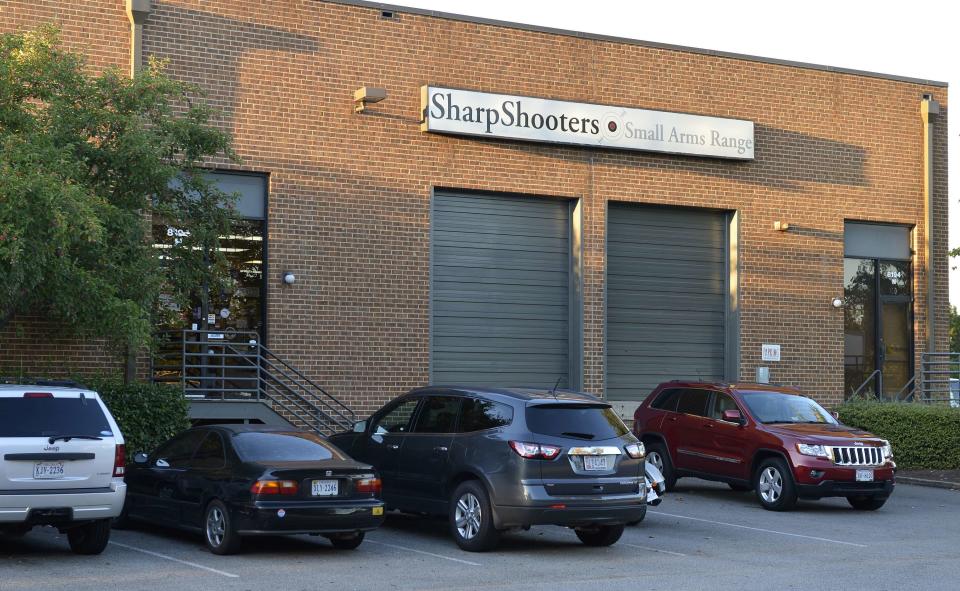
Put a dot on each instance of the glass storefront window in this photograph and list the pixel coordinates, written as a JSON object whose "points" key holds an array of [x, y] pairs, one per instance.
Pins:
{"points": [[859, 322]]}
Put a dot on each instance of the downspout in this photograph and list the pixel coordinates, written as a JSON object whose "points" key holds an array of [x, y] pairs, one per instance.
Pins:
{"points": [[137, 12], [929, 109]]}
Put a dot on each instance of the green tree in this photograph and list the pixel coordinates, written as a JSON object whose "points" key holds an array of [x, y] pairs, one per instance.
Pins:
{"points": [[86, 163], [954, 330]]}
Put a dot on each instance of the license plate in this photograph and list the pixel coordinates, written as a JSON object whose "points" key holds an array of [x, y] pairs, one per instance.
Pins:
{"points": [[48, 470], [325, 488], [864, 475], [595, 463]]}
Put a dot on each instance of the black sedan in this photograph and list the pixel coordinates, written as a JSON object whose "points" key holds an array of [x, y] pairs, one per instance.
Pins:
{"points": [[229, 481]]}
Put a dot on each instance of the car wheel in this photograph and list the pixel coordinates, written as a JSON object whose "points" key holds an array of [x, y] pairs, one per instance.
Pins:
{"points": [[471, 520], [866, 503], [347, 541], [605, 535], [774, 486], [91, 538], [218, 531], [643, 515], [739, 487], [658, 456]]}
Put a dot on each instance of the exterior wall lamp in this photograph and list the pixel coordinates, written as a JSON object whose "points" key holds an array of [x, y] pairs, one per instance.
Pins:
{"points": [[364, 96], [289, 278]]}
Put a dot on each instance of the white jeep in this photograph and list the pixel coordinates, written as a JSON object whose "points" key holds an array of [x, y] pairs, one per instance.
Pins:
{"points": [[61, 463]]}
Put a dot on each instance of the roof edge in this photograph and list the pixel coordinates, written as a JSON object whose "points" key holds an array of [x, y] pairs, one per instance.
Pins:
{"points": [[629, 41]]}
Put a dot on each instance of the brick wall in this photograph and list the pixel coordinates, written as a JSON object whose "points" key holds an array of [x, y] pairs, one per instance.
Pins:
{"points": [[349, 194]]}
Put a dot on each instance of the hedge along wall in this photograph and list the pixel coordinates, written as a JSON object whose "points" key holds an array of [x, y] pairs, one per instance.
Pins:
{"points": [[922, 435], [148, 414]]}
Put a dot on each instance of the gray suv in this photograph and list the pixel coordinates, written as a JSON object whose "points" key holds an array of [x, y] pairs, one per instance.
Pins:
{"points": [[496, 459]]}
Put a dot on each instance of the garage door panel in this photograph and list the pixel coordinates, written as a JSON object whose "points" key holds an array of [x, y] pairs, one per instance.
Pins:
{"points": [[666, 297], [499, 290]]}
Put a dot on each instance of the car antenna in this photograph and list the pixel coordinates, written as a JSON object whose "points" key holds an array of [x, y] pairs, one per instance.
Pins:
{"points": [[553, 391]]}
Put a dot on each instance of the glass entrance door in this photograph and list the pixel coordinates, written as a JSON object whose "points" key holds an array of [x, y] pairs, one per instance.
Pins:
{"points": [[878, 326]]}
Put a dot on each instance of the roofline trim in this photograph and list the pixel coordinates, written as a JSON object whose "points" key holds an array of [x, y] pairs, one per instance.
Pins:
{"points": [[629, 41]]}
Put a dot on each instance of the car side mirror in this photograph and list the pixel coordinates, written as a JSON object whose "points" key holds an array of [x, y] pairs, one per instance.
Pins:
{"points": [[139, 458], [359, 426], [835, 415], [733, 416], [161, 463]]}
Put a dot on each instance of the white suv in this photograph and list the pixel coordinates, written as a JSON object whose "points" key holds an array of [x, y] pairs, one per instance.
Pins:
{"points": [[61, 463]]}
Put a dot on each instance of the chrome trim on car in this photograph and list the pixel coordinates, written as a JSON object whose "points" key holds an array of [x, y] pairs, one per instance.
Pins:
{"points": [[856, 456], [603, 450], [709, 457]]}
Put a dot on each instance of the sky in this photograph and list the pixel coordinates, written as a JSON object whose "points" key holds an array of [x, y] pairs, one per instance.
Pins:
{"points": [[902, 38]]}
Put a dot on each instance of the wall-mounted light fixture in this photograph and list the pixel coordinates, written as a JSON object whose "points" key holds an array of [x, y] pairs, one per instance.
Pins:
{"points": [[837, 303], [366, 95], [289, 278], [781, 226]]}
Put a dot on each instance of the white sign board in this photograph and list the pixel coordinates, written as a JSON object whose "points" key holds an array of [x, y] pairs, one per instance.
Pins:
{"points": [[770, 353], [466, 112]]}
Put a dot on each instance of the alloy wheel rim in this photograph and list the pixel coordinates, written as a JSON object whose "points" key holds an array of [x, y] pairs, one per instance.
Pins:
{"points": [[771, 485], [216, 526], [655, 459], [467, 516]]}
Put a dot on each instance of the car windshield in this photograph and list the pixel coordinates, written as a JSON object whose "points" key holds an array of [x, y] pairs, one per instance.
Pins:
{"points": [[284, 447], [52, 417], [777, 407], [578, 421]]}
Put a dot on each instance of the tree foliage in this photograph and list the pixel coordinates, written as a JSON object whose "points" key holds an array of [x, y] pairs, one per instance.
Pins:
{"points": [[86, 162]]}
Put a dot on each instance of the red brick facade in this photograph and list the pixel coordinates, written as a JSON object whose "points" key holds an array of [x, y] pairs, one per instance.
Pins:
{"points": [[350, 194]]}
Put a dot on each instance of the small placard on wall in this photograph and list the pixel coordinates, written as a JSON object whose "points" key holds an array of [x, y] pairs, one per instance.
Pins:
{"points": [[770, 352]]}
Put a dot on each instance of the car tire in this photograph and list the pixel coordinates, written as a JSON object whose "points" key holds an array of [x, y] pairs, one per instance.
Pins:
{"points": [[773, 484], [643, 515], [347, 541], [739, 487], [605, 535], [657, 454], [90, 538], [471, 518], [218, 531], [866, 503]]}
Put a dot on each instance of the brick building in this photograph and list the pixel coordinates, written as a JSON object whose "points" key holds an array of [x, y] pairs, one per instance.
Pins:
{"points": [[432, 248]]}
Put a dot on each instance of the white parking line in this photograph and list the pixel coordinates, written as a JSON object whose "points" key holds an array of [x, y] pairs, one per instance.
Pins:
{"points": [[648, 549], [769, 531], [369, 541], [172, 559]]}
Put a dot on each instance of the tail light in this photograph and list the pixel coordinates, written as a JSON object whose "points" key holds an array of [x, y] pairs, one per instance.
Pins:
{"points": [[635, 450], [119, 461], [275, 487], [535, 451], [37, 395], [369, 485]]}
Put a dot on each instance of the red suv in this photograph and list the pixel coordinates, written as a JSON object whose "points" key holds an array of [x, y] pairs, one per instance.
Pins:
{"points": [[771, 439]]}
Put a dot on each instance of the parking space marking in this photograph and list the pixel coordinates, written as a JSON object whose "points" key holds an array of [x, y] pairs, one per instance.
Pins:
{"points": [[172, 559], [649, 549], [369, 541], [760, 529]]}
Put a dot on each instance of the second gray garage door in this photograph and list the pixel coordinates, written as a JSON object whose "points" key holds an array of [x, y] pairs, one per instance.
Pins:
{"points": [[666, 297], [500, 290]]}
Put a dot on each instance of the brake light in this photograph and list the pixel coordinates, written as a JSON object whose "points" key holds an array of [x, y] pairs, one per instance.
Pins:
{"points": [[37, 395], [119, 461], [369, 485], [275, 487], [535, 451], [636, 450]]}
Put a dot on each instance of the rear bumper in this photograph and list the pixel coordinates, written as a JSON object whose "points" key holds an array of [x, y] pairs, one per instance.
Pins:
{"points": [[845, 488], [307, 517], [73, 505], [543, 508]]}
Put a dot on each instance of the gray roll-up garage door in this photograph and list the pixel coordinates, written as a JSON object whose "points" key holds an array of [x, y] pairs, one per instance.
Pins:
{"points": [[666, 297], [499, 290]]}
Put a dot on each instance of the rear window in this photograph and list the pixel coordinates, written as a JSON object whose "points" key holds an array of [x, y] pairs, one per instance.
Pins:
{"points": [[579, 421], [50, 417], [284, 447]]}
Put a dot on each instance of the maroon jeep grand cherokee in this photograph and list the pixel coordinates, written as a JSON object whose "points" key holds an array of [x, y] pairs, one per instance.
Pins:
{"points": [[771, 439]]}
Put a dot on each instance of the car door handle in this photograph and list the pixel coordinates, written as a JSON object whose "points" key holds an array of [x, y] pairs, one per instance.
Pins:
{"points": [[441, 449], [709, 425], [393, 446]]}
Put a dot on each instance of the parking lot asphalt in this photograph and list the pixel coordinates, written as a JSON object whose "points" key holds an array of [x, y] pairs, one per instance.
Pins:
{"points": [[703, 536]]}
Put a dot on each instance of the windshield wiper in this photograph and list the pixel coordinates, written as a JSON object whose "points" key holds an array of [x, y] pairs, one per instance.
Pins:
{"points": [[578, 435], [69, 437]]}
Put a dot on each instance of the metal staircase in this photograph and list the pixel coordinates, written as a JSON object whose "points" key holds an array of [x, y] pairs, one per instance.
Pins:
{"points": [[234, 366]]}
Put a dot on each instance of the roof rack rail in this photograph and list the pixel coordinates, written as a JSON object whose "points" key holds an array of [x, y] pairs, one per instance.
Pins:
{"points": [[51, 383]]}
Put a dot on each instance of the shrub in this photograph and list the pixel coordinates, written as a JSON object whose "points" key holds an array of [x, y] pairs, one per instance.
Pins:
{"points": [[148, 414], [922, 436]]}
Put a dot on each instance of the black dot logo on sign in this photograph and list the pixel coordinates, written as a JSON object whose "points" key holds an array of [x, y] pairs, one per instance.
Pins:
{"points": [[611, 127]]}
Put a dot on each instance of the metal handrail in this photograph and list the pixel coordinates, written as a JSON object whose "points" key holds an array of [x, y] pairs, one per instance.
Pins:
{"points": [[876, 372]]}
